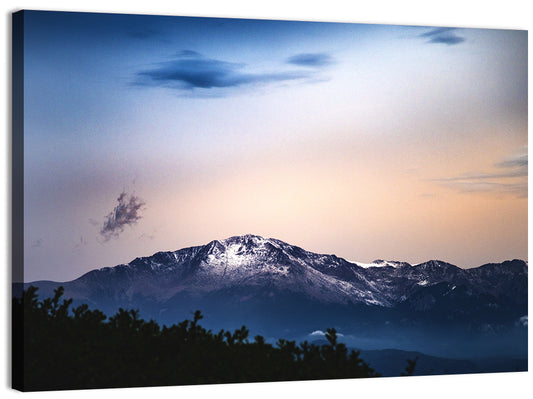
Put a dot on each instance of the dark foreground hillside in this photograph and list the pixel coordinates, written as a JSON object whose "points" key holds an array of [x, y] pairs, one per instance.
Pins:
{"points": [[57, 348], [390, 363]]}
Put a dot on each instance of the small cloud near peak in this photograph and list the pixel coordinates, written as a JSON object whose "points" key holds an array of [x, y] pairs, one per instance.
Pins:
{"points": [[125, 213]]}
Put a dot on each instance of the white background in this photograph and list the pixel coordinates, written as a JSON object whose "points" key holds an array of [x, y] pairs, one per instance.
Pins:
{"points": [[509, 14]]}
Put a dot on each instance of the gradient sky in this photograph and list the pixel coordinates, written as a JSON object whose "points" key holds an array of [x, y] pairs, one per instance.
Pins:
{"points": [[146, 134]]}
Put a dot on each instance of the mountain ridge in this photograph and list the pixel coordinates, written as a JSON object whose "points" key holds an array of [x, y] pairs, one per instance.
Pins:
{"points": [[276, 287], [248, 258]]}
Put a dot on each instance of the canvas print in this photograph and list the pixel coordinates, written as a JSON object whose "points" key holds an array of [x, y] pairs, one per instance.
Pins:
{"points": [[216, 200]]}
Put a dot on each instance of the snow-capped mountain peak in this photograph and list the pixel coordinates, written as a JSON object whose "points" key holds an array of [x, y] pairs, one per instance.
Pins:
{"points": [[249, 266], [382, 263], [268, 283]]}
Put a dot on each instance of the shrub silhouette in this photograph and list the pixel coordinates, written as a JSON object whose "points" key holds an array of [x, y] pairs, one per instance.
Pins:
{"points": [[410, 368], [58, 348]]}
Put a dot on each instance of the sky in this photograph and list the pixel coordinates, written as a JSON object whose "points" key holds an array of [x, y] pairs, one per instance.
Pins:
{"points": [[146, 134]]}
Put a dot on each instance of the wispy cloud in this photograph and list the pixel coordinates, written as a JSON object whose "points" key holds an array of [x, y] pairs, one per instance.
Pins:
{"points": [[466, 185], [510, 177], [320, 333], [37, 243], [447, 36], [314, 60], [190, 71], [146, 236], [125, 213], [81, 243], [518, 161]]}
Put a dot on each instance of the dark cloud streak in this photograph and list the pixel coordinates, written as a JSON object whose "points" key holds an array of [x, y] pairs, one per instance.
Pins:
{"points": [[443, 36], [314, 60], [126, 213], [519, 161], [519, 189], [513, 180], [190, 70]]}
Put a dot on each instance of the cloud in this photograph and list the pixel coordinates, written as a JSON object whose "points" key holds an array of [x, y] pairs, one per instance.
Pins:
{"points": [[518, 161], [313, 60], [510, 178], [145, 236], [37, 243], [94, 222], [126, 213], [190, 71], [82, 242], [320, 333], [443, 36], [189, 54], [519, 189]]}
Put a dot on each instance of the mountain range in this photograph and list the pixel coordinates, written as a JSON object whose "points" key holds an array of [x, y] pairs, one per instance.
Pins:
{"points": [[280, 290]]}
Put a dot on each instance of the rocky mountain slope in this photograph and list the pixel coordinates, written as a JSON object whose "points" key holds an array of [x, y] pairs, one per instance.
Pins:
{"points": [[275, 287]]}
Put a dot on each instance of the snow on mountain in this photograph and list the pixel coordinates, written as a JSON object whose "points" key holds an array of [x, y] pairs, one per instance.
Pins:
{"points": [[254, 261], [382, 263], [277, 289], [252, 266]]}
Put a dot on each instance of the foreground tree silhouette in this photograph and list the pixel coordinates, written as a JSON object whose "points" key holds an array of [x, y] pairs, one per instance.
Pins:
{"points": [[77, 348], [410, 368]]}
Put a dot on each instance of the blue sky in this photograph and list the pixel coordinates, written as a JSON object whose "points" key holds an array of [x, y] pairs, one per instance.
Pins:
{"points": [[367, 141]]}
